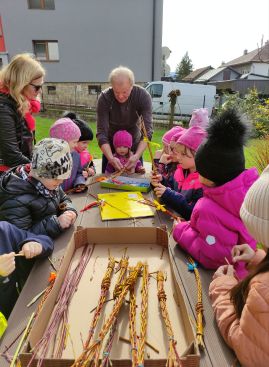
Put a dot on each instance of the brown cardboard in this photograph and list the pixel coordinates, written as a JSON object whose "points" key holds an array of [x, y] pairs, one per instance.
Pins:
{"points": [[145, 244]]}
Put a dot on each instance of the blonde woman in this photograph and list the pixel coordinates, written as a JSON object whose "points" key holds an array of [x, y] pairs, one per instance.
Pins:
{"points": [[20, 84]]}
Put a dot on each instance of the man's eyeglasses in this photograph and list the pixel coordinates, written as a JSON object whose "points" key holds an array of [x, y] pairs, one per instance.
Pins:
{"points": [[36, 87]]}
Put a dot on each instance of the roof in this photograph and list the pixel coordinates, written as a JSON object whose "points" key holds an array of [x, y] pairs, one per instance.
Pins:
{"points": [[259, 55], [196, 73], [211, 73]]}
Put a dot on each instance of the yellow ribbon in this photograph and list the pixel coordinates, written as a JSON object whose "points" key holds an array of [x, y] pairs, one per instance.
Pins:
{"points": [[3, 324], [159, 206], [146, 140]]}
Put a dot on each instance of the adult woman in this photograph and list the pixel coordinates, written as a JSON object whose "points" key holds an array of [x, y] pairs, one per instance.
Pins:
{"points": [[20, 84]]}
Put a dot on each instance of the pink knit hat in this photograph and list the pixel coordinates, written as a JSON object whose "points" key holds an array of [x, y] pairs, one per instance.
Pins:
{"points": [[199, 118], [178, 135], [192, 137], [65, 129], [122, 139], [170, 133]]}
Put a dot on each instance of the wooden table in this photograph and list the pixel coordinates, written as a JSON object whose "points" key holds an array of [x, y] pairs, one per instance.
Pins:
{"points": [[216, 353]]}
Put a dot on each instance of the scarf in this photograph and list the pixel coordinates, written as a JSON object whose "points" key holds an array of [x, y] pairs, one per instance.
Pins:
{"points": [[33, 107]]}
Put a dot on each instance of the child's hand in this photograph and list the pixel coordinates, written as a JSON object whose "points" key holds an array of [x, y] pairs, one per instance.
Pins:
{"points": [[176, 222], [31, 249], [224, 270], [85, 174], [242, 253], [165, 158], [67, 219], [7, 264], [155, 179], [91, 172], [159, 190]]}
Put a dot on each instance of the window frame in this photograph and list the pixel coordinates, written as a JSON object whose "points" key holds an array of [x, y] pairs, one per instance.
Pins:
{"points": [[95, 88], [46, 42], [42, 5], [51, 90]]}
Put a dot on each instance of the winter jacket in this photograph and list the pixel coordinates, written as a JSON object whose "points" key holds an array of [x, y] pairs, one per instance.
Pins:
{"points": [[76, 177], [187, 190], [12, 239], [110, 169], [249, 335], [15, 138], [25, 203], [215, 226], [167, 171]]}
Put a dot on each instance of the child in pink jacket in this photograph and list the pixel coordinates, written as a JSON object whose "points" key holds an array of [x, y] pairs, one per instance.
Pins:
{"points": [[215, 226], [242, 308]]}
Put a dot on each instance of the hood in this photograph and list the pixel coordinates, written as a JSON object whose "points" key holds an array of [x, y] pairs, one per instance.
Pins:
{"points": [[230, 196], [11, 183]]}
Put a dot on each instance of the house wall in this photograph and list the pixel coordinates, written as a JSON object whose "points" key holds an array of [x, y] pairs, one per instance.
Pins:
{"points": [[93, 36], [260, 68]]}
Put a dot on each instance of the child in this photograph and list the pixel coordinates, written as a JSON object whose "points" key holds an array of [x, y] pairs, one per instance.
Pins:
{"points": [[242, 308], [215, 226], [86, 159], [186, 189], [67, 130], [122, 142], [13, 271], [30, 196]]}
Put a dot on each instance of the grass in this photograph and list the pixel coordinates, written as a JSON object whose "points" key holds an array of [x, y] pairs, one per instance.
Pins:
{"points": [[43, 125]]}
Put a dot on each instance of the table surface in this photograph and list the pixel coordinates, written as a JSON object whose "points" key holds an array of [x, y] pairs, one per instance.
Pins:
{"points": [[216, 353]]}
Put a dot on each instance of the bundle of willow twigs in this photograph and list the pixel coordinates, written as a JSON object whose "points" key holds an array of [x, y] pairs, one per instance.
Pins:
{"points": [[199, 305], [173, 357], [123, 267], [59, 316], [143, 317], [91, 354]]}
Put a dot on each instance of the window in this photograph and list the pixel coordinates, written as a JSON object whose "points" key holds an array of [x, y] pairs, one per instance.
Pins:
{"points": [[41, 4], [94, 89], [46, 50], [51, 90], [155, 90]]}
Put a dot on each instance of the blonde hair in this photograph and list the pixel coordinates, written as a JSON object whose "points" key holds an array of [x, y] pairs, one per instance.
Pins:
{"points": [[19, 73], [121, 72]]}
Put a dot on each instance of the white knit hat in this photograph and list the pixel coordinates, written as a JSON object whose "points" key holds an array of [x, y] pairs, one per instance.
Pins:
{"points": [[52, 159], [255, 209]]}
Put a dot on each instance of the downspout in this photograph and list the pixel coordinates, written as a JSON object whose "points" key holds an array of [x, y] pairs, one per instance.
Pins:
{"points": [[153, 39]]}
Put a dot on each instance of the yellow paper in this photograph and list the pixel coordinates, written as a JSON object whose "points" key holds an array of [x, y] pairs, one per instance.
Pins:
{"points": [[3, 324], [123, 205]]}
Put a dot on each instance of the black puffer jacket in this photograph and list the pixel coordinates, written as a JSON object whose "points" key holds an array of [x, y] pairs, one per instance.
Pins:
{"points": [[22, 204], [16, 139]]}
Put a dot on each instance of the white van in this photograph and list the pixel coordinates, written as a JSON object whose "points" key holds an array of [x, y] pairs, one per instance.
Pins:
{"points": [[192, 96]]}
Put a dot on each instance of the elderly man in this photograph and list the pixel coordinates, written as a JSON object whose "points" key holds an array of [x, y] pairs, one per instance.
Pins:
{"points": [[118, 108]]}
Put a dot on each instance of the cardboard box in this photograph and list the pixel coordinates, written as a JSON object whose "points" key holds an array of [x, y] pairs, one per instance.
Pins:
{"points": [[143, 244], [127, 184]]}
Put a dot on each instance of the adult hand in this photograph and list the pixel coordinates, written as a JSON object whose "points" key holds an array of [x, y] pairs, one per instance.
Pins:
{"points": [[85, 174], [130, 165], [91, 172], [242, 253], [116, 163], [159, 190], [224, 270], [72, 215], [7, 264], [31, 249]]}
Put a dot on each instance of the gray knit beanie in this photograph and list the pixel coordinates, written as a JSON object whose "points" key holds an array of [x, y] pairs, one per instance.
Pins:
{"points": [[255, 209]]}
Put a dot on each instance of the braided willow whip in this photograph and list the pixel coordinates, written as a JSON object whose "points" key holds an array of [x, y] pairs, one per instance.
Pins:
{"points": [[143, 316], [173, 357], [192, 266], [123, 266], [91, 353], [132, 325], [104, 290]]}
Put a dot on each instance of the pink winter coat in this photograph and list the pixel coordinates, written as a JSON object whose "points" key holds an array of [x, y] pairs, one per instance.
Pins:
{"points": [[249, 335], [215, 226]]}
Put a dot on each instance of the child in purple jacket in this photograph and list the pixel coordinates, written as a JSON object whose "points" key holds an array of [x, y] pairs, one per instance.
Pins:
{"points": [[67, 130], [122, 142], [215, 226]]}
